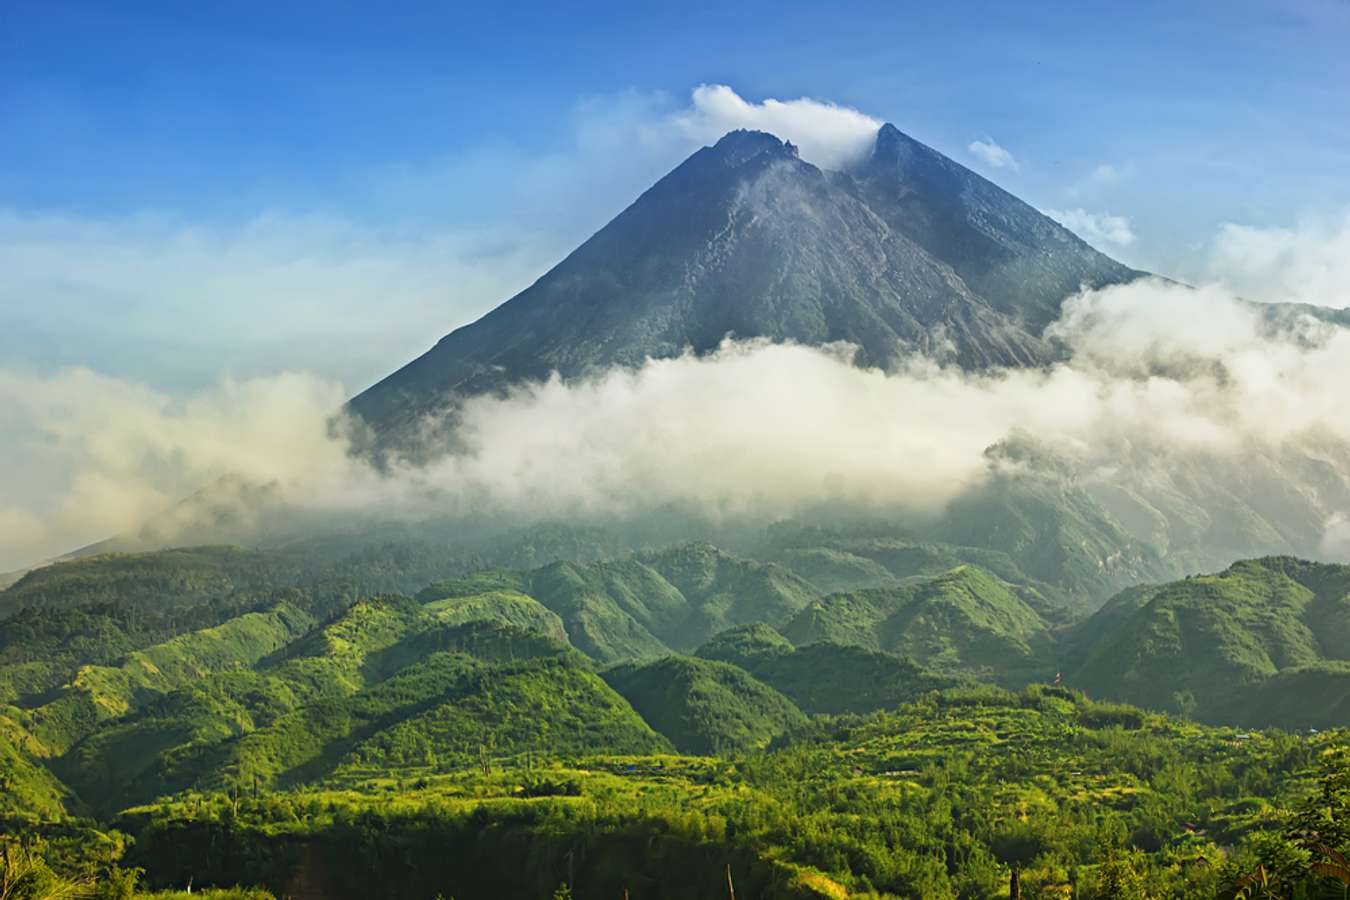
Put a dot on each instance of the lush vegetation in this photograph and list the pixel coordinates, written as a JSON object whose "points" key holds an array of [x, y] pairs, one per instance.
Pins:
{"points": [[848, 715]]}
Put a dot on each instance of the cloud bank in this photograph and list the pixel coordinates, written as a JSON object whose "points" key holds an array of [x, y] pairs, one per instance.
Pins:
{"points": [[755, 430], [88, 456]]}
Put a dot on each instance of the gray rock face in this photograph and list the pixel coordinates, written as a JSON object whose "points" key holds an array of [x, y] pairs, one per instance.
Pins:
{"points": [[909, 253], [1019, 261]]}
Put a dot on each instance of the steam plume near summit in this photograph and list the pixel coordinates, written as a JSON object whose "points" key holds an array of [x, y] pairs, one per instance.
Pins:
{"points": [[1160, 379], [827, 135]]}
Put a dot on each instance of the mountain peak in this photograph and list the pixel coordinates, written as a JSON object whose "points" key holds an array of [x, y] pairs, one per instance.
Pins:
{"points": [[892, 145], [739, 146]]}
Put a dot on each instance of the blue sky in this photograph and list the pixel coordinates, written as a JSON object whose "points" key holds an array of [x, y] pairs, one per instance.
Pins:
{"points": [[196, 190]]}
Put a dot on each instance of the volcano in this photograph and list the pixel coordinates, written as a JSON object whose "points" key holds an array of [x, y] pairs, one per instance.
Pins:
{"points": [[907, 252]]}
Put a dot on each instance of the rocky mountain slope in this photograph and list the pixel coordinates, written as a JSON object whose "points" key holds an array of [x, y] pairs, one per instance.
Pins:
{"points": [[907, 253]]}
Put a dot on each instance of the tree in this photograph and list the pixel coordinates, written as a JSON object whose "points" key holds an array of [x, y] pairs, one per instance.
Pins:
{"points": [[1310, 853], [1123, 876]]}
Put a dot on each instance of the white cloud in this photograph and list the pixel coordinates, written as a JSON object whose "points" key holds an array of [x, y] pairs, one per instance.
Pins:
{"points": [[89, 456], [1095, 228], [755, 429], [826, 135], [1309, 262], [994, 156]]}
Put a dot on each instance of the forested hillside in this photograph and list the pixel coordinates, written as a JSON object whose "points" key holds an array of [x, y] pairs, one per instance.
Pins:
{"points": [[728, 709], [1264, 643]]}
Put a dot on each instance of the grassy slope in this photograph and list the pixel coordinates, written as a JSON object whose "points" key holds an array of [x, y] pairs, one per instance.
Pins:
{"points": [[1057, 533], [175, 740], [296, 706], [548, 705], [838, 562], [26, 786], [507, 607], [383, 662]]}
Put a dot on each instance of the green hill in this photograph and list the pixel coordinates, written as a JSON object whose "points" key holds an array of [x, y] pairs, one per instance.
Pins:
{"points": [[724, 590], [1259, 642], [963, 622], [648, 604], [1303, 697], [704, 706], [832, 570], [824, 677], [296, 713], [175, 740], [553, 706], [746, 645], [99, 693], [1013, 534], [42, 649], [507, 607], [1056, 532]]}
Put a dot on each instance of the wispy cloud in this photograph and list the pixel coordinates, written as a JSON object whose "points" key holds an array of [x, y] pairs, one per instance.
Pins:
{"points": [[991, 154], [1095, 228], [827, 135]]}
